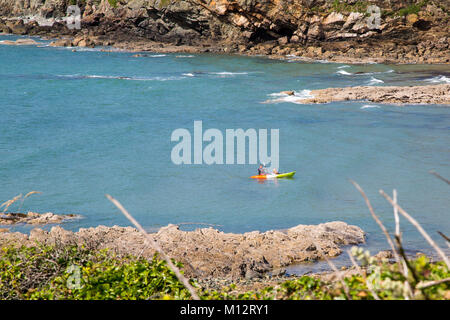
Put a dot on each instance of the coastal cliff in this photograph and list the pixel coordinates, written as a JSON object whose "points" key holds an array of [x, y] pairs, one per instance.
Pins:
{"points": [[406, 32]]}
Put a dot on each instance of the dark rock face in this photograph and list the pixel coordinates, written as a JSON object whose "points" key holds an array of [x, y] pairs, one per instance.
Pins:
{"points": [[294, 25]]}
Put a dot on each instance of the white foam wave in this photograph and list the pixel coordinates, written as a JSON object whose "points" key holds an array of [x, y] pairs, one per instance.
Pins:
{"points": [[283, 97], [94, 76], [156, 78], [369, 106], [344, 66], [439, 79], [345, 73], [378, 72], [277, 94], [187, 56], [226, 73], [188, 74], [157, 55], [374, 80]]}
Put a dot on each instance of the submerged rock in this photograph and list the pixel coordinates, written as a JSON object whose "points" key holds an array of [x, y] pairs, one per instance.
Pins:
{"points": [[208, 252], [61, 43], [385, 254]]}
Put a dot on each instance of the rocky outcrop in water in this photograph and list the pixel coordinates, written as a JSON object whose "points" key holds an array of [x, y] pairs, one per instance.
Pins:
{"points": [[432, 94], [19, 42], [34, 218], [208, 252], [319, 29]]}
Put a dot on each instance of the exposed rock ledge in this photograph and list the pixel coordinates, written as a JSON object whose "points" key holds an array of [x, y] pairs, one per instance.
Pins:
{"points": [[432, 94], [209, 253], [19, 42]]}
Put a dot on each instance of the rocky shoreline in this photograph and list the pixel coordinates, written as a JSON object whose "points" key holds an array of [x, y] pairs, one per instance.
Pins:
{"points": [[430, 94], [308, 29], [35, 218], [208, 253]]}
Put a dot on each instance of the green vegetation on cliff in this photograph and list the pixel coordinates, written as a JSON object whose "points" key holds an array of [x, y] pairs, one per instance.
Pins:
{"points": [[71, 272], [412, 8], [344, 7], [113, 3]]}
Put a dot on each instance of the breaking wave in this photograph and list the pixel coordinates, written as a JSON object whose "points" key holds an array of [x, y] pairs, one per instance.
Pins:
{"points": [[283, 97], [94, 76], [374, 80], [439, 79], [226, 73], [370, 106], [346, 73]]}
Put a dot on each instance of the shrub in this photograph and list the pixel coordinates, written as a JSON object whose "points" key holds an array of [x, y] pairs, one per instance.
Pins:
{"points": [[113, 3], [45, 272], [412, 9], [48, 272]]}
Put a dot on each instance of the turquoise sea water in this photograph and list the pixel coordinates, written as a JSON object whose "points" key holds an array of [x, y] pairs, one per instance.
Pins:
{"points": [[77, 125]]}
